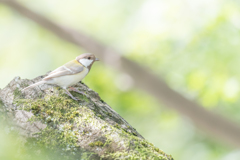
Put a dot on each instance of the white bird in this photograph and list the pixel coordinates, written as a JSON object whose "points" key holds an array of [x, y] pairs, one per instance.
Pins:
{"points": [[69, 73]]}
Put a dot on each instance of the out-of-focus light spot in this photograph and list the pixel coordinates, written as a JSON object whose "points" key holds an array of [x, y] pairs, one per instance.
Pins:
{"points": [[197, 80], [234, 19], [210, 99], [231, 88], [124, 82], [152, 14]]}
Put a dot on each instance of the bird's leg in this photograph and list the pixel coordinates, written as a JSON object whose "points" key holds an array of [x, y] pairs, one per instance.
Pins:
{"points": [[76, 90], [68, 93]]}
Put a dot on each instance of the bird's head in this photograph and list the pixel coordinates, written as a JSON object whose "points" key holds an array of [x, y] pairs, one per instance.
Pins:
{"points": [[87, 59]]}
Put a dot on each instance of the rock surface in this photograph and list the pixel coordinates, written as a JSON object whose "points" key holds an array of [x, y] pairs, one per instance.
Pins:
{"points": [[86, 129]]}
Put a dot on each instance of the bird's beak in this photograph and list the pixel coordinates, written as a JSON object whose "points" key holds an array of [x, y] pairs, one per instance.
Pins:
{"points": [[96, 59]]}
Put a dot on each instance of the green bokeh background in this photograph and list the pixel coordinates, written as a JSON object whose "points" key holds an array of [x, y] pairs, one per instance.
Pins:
{"points": [[193, 45]]}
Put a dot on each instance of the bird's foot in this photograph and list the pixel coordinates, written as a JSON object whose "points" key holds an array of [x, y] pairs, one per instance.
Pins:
{"points": [[68, 93], [76, 90]]}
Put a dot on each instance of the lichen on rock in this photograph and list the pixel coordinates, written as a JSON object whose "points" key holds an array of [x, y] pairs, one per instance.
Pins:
{"points": [[87, 128]]}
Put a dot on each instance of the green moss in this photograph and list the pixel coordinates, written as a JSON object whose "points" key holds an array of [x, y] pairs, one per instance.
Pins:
{"points": [[80, 96], [2, 111], [117, 126], [17, 93], [65, 116], [97, 143], [57, 112], [1, 104], [138, 149], [109, 114], [24, 85], [100, 116]]}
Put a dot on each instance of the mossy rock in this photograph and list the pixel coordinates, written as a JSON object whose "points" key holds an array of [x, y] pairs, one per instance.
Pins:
{"points": [[85, 129]]}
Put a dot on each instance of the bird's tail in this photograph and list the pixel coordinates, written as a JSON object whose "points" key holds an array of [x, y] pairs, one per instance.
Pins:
{"points": [[33, 85]]}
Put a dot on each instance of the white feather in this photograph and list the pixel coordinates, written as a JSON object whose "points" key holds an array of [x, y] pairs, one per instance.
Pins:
{"points": [[68, 80], [85, 62]]}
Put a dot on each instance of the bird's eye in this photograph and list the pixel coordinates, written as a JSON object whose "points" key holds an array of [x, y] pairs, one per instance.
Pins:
{"points": [[88, 57]]}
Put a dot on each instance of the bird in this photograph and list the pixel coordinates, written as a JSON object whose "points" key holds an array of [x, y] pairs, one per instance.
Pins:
{"points": [[69, 74]]}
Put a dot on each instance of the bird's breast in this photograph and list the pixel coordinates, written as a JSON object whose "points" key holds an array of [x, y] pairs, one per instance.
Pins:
{"points": [[69, 80]]}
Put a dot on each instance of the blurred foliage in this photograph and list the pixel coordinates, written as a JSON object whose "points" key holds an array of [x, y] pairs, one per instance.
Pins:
{"points": [[194, 45], [14, 147]]}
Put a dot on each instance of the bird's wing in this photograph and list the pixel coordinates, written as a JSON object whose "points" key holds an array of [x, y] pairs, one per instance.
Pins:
{"points": [[72, 67]]}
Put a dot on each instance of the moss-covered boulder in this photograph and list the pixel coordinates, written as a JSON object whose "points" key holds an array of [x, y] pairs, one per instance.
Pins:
{"points": [[87, 129]]}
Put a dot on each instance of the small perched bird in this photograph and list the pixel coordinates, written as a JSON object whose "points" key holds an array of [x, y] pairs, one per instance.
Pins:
{"points": [[69, 74]]}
